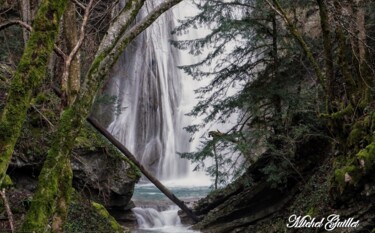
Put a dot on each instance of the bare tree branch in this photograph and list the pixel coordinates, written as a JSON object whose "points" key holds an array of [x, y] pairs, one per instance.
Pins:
{"points": [[9, 23], [42, 115], [80, 4], [70, 57], [59, 52], [8, 210]]}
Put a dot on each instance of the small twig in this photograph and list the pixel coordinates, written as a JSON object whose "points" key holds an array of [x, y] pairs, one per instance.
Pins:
{"points": [[44, 117], [79, 4], [8, 210], [60, 53]]}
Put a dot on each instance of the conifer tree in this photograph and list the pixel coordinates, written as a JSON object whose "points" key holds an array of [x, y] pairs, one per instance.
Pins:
{"points": [[271, 51]]}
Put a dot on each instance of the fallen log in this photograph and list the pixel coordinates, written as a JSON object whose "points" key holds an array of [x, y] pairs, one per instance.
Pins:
{"points": [[144, 171]]}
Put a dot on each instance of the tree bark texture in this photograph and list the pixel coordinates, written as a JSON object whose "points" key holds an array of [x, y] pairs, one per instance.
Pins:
{"points": [[29, 75], [26, 17], [328, 55], [70, 86]]}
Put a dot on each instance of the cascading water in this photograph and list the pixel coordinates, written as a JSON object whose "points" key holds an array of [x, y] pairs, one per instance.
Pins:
{"points": [[148, 85], [149, 92], [151, 218], [166, 221]]}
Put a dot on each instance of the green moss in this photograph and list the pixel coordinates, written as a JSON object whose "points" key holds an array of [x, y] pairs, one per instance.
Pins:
{"points": [[87, 217], [311, 211], [53, 194], [351, 170], [360, 165], [366, 157], [7, 182], [104, 213], [40, 98], [359, 133], [30, 72], [89, 139], [372, 122], [348, 110], [355, 136]]}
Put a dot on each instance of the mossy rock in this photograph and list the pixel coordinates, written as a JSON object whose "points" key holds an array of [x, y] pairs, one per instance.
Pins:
{"points": [[90, 140], [87, 217], [357, 134], [366, 157], [7, 182], [104, 213], [356, 168], [349, 174]]}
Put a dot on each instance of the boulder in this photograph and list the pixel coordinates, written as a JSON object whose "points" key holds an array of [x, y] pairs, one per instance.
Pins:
{"points": [[104, 178]]}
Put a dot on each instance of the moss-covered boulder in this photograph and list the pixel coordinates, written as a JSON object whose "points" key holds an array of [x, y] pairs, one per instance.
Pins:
{"points": [[86, 217]]}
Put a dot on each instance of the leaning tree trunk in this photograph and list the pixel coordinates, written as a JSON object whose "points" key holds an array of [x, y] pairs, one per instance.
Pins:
{"points": [[72, 117], [70, 84], [29, 75]]}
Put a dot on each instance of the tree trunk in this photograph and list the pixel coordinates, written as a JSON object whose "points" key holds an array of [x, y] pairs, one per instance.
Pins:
{"points": [[216, 167], [328, 56], [349, 82], [52, 197], [276, 6], [70, 87], [364, 70], [26, 17], [29, 75], [276, 98]]}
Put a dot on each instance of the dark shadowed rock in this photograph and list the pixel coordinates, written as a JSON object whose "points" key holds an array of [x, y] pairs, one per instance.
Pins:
{"points": [[103, 178]]}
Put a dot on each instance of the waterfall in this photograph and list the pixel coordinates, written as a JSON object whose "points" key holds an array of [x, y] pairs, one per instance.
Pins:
{"points": [[152, 103], [147, 82]]}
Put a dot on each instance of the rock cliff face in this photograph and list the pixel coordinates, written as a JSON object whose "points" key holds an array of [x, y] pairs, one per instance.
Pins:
{"points": [[252, 204], [104, 179], [99, 172]]}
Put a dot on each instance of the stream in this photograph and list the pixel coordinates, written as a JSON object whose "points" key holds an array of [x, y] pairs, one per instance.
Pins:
{"points": [[155, 213]]}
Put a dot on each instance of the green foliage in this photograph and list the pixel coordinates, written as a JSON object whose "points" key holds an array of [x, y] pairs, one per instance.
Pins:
{"points": [[256, 75], [277, 174]]}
